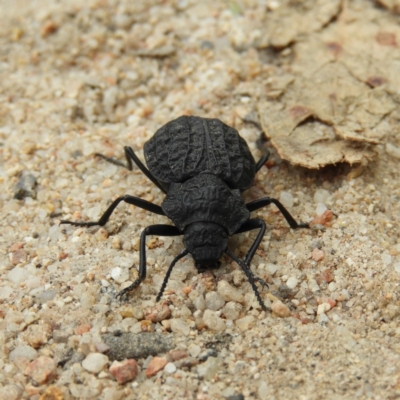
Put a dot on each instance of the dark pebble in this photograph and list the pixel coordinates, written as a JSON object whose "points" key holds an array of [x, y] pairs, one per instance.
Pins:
{"points": [[236, 397], [137, 345], [25, 187], [207, 353]]}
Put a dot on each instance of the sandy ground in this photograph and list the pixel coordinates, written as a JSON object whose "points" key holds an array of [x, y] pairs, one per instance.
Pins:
{"points": [[76, 80]]}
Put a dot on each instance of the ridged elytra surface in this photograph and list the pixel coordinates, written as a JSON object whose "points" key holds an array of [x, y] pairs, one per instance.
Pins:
{"points": [[187, 146]]}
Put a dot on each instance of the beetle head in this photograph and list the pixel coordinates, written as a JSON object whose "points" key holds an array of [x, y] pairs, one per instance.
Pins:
{"points": [[206, 242]]}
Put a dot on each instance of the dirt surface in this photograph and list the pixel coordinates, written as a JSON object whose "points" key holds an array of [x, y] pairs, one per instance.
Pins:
{"points": [[76, 80]]}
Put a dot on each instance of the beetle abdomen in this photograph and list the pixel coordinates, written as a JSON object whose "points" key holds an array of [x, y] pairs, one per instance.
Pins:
{"points": [[188, 146]]}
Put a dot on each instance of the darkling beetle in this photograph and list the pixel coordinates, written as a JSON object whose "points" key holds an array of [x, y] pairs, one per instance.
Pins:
{"points": [[202, 165]]}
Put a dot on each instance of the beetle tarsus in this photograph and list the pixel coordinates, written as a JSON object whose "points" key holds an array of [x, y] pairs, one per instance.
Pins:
{"points": [[77, 223], [132, 286], [250, 277], [111, 160]]}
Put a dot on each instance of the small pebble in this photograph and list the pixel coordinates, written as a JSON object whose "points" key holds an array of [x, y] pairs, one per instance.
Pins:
{"points": [[209, 368], [101, 235], [321, 208], [179, 325], [52, 393], [386, 259], [214, 301], [228, 292], [37, 335], [11, 392], [170, 368], [323, 308], [101, 347], [127, 246], [24, 351], [18, 257], [200, 303], [87, 300], [332, 287], [5, 292], [321, 196], [16, 246], [81, 329], [18, 275], [271, 268], [25, 187], [42, 370], [194, 350], [120, 275], [323, 219], [397, 267], [232, 310], [95, 362], [124, 371], [393, 150], [213, 321], [244, 323], [158, 313], [318, 255], [116, 243], [155, 365], [178, 354], [323, 319], [286, 199], [280, 309], [292, 282]]}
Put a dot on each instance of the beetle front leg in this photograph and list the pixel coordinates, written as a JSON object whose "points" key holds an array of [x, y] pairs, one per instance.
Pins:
{"points": [[254, 223], [160, 230]]}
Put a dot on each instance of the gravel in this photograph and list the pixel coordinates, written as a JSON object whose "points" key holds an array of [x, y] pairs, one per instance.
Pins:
{"points": [[79, 79]]}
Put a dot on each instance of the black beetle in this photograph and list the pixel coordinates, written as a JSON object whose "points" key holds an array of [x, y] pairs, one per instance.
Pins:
{"points": [[202, 165]]}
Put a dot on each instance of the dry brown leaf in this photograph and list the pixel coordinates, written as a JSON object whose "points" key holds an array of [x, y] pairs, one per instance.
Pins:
{"points": [[341, 94], [392, 5], [293, 18], [312, 144]]}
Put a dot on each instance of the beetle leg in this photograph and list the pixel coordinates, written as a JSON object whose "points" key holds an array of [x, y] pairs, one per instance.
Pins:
{"points": [[266, 201], [168, 274], [161, 230], [249, 275], [131, 156], [262, 160], [255, 223], [112, 160], [136, 201]]}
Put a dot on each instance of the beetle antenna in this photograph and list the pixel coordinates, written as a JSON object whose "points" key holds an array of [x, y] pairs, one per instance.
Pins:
{"points": [[167, 275], [249, 275]]}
